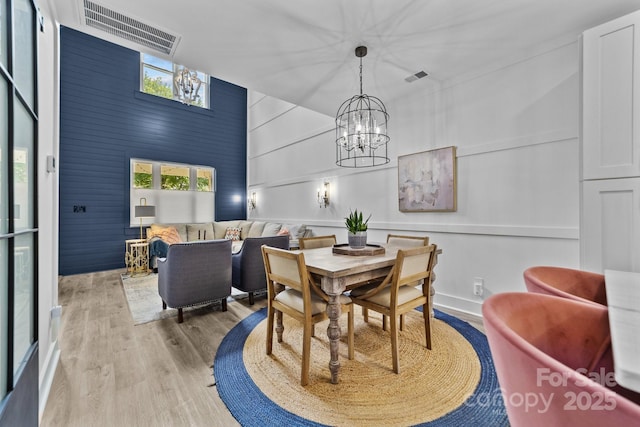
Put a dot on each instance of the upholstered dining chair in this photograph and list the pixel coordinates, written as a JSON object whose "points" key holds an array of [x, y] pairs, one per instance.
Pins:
{"points": [[317, 241], [391, 298], [564, 282], [559, 350], [292, 291], [406, 242]]}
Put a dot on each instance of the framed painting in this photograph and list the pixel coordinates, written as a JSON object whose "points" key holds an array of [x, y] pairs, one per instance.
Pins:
{"points": [[427, 181]]}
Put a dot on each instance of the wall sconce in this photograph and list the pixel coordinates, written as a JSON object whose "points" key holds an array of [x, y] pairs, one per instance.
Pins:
{"points": [[323, 195], [252, 201]]}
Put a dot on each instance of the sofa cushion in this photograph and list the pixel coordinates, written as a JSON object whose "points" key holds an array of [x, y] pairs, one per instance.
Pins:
{"points": [[256, 229], [245, 226], [180, 227], [296, 231], [220, 227], [203, 231], [271, 229], [233, 233]]}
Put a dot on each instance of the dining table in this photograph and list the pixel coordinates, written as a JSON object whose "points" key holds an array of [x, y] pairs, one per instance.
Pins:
{"points": [[338, 273]]}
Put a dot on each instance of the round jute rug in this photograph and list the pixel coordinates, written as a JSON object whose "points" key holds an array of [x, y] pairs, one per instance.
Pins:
{"points": [[442, 386]]}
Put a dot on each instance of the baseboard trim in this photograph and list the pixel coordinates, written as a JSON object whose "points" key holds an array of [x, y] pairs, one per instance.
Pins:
{"points": [[49, 368]]}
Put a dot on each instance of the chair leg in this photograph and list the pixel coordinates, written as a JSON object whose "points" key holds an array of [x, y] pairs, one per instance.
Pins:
{"points": [[427, 324], [306, 354], [279, 325], [394, 344], [350, 332], [365, 314], [164, 305], [384, 322], [250, 298], [224, 304], [402, 322], [270, 316], [180, 318]]}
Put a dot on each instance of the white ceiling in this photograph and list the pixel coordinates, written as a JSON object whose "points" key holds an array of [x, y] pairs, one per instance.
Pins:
{"points": [[302, 51]]}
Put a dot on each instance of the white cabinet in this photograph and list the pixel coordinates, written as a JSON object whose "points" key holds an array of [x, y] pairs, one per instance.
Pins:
{"points": [[611, 99], [610, 204], [610, 232]]}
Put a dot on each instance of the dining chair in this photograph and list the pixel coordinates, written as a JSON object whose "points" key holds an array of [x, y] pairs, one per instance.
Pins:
{"points": [[317, 242], [391, 298], [407, 241], [578, 285], [403, 241], [291, 290]]}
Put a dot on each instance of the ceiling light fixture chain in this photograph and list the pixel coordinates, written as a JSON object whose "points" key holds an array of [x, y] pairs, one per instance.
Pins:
{"points": [[361, 128]]}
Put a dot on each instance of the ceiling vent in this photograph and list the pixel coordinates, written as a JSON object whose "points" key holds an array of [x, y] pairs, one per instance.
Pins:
{"points": [[125, 27], [416, 76]]}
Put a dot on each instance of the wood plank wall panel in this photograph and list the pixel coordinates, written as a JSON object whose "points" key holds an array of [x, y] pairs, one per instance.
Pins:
{"points": [[105, 121]]}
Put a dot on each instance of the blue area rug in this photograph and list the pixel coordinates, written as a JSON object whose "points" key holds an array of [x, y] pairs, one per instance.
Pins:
{"points": [[251, 407]]}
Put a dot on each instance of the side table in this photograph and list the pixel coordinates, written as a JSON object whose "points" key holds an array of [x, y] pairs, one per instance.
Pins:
{"points": [[137, 256]]}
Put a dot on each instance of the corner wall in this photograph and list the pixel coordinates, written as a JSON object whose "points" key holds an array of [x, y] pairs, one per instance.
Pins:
{"points": [[105, 120], [516, 133]]}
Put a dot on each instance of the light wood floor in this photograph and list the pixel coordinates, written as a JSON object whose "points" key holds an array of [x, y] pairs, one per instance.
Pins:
{"points": [[113, 373]]}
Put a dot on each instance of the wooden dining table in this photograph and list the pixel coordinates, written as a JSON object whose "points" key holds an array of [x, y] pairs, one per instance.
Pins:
{"points": [[338, 273]]}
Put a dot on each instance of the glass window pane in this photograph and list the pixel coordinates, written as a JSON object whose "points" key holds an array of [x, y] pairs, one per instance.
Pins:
{"points": [[157, 62], [24, 295], [174, 177], [205, 181], [23, 73], [4, 320], [157, 82], [142, 175], [3, 33], [4, 158], [23, 164]]}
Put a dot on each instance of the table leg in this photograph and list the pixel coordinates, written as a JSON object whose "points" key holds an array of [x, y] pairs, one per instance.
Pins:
{"points": [[334, 332]]}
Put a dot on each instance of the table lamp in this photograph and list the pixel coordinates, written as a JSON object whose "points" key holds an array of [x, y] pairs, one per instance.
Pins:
{"points": [[144, 211]]}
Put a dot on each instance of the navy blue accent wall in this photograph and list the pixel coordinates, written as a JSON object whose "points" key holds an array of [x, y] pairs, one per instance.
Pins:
{"points": [[105, 121]]}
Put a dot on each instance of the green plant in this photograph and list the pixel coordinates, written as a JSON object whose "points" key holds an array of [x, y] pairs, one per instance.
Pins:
{"points": [[355, 222]]}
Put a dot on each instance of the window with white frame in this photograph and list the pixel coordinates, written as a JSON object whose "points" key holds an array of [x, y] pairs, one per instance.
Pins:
{"points": [[173, 81], [180, 192]]}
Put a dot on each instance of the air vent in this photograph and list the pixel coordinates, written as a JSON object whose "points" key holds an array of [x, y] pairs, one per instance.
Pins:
{"points": [[119, 25], [416, 76]]}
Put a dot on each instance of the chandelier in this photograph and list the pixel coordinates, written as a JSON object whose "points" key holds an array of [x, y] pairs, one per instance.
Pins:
{"points": [[361, 129], [187, 85]]}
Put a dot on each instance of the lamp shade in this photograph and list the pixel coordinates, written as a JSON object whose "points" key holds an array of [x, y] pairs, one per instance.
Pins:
{"points": [[145, 211]]}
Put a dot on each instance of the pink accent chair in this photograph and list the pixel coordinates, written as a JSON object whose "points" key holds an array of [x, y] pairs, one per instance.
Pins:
{"points": [[563, 282], [539, 343]]}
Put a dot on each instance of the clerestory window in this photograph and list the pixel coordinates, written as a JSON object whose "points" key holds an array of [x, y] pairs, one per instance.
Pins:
{"points": [[173, 81]]}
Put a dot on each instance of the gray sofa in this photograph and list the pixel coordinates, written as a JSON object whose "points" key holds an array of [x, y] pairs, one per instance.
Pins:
{"points": [[247, 265], [195, 273]]}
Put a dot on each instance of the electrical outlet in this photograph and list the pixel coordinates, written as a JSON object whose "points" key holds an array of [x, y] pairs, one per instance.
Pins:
{"points": [[478, 286]]}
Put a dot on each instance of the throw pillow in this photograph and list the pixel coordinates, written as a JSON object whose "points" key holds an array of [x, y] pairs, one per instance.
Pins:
{"points": [[282, 231], [167, 234], [233, 233]]}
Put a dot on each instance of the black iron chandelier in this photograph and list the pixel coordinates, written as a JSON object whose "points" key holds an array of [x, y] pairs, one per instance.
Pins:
{"points": [[361, 129]]}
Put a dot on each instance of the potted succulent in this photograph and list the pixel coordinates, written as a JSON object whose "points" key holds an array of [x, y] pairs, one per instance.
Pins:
{"points": [[357, 227]]}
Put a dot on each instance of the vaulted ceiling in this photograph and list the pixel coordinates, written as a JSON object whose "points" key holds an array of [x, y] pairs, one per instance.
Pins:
{"points": [[302, 51]]}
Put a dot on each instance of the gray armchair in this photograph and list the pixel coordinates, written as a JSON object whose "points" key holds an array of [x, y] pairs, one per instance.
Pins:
{"points": [[248, 266], [195, 273]]}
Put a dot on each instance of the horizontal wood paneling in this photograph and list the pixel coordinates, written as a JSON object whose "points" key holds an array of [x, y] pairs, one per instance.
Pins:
{"points": [[105, 121]]}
